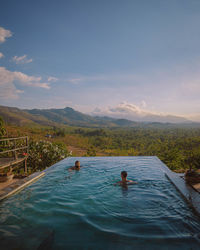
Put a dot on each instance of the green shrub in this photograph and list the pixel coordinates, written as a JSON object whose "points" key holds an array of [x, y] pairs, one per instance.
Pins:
{"points": [[43, 154]]}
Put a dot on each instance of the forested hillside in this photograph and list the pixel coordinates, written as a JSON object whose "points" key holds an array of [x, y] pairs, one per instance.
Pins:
{"points": [[179, 148]]}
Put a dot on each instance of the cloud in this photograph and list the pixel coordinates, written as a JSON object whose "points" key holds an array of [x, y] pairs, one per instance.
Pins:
{"points": [[133, 112], [4, 34], [21, 59], [8, 91], [19, 91], [89, 79], [8, 79], [1, 55], [124, 110], [130, 109], [75, 80], [194, 117], [52, 79], [175, 90]]}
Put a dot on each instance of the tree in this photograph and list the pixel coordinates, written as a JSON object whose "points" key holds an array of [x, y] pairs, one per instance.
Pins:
{"points": [[193, 159], [91, 151]]}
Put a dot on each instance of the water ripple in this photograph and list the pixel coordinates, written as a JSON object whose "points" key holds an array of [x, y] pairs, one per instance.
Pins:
{"points": [[85, 210]]}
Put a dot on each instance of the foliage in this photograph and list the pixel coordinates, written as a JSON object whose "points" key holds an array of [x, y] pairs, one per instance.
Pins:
{"points": [[59, 131], [43, 154], [178, 148], [91, 151], [193, 159]]}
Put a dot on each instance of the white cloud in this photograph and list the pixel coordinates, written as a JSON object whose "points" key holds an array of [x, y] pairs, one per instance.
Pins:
{"points": [[1, 55], [19, 91], [21, 59], [135, 113], [75, 80], [124, 110], [174, 90], [131, 110], [8, 78], [194, 117], [4, 34], [29, 80], [52, 79], [8, 91]]}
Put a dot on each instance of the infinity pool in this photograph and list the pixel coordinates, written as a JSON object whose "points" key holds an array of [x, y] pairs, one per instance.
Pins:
{"points": [[84, 210]]}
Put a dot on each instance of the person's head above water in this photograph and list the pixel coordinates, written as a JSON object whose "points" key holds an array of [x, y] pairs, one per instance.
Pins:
{"points": [[124, 181], [124, 175], [77, 164]]}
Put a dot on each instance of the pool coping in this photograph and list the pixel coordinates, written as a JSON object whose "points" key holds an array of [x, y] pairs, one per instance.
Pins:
{"points": [[22, 183], [191, 195], [19, 184]]}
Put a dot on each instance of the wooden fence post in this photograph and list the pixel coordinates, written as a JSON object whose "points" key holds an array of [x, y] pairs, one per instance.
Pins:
{"points": [[12, 153], [15, 153], [27, 144], [25, 166], [27, 155]]}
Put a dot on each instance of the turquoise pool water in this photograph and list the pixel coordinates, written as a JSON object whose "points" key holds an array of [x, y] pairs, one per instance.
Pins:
{"points": [[84, 210]]}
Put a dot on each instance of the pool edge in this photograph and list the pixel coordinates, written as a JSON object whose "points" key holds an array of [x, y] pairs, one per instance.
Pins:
{"points": [[189, 193], [19, 185]]}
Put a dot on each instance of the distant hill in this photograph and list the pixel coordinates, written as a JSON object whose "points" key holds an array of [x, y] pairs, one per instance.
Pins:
{"points": [[57, 117], [20, 117], [69, 116]]}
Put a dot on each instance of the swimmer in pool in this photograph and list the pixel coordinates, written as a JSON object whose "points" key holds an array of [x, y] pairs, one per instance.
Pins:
{"points": [[124, 180], [76, 167]]}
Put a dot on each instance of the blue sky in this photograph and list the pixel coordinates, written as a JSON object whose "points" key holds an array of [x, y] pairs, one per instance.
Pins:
{"points": [[97, 56]]}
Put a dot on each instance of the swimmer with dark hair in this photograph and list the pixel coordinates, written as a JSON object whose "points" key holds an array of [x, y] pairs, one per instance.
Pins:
{"points": [[76, 167], [124, 180]]}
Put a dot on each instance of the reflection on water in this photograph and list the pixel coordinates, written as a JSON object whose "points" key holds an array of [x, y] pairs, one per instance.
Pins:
{"points": [[84, 210]]}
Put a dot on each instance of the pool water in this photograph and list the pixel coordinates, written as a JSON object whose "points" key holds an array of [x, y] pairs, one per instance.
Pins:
{"points": [[84, 210]]}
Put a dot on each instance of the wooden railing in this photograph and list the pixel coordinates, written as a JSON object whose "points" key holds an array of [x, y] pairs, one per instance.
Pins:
{"points": [[10, 148]]}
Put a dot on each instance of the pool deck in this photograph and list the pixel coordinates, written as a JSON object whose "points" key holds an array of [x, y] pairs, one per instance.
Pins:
{"points": [[9, 188], [189, 192]]}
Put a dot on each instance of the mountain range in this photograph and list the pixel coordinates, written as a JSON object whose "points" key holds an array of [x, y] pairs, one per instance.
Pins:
{"points": [[71, 117]]}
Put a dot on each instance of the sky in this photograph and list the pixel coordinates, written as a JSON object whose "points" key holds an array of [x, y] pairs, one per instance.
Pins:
{"points": [[100, 56]]}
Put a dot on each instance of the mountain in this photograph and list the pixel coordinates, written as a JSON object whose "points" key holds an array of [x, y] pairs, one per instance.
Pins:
{"points": [[69, 116], [19, 117], [58, 117], [72, 117]]}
